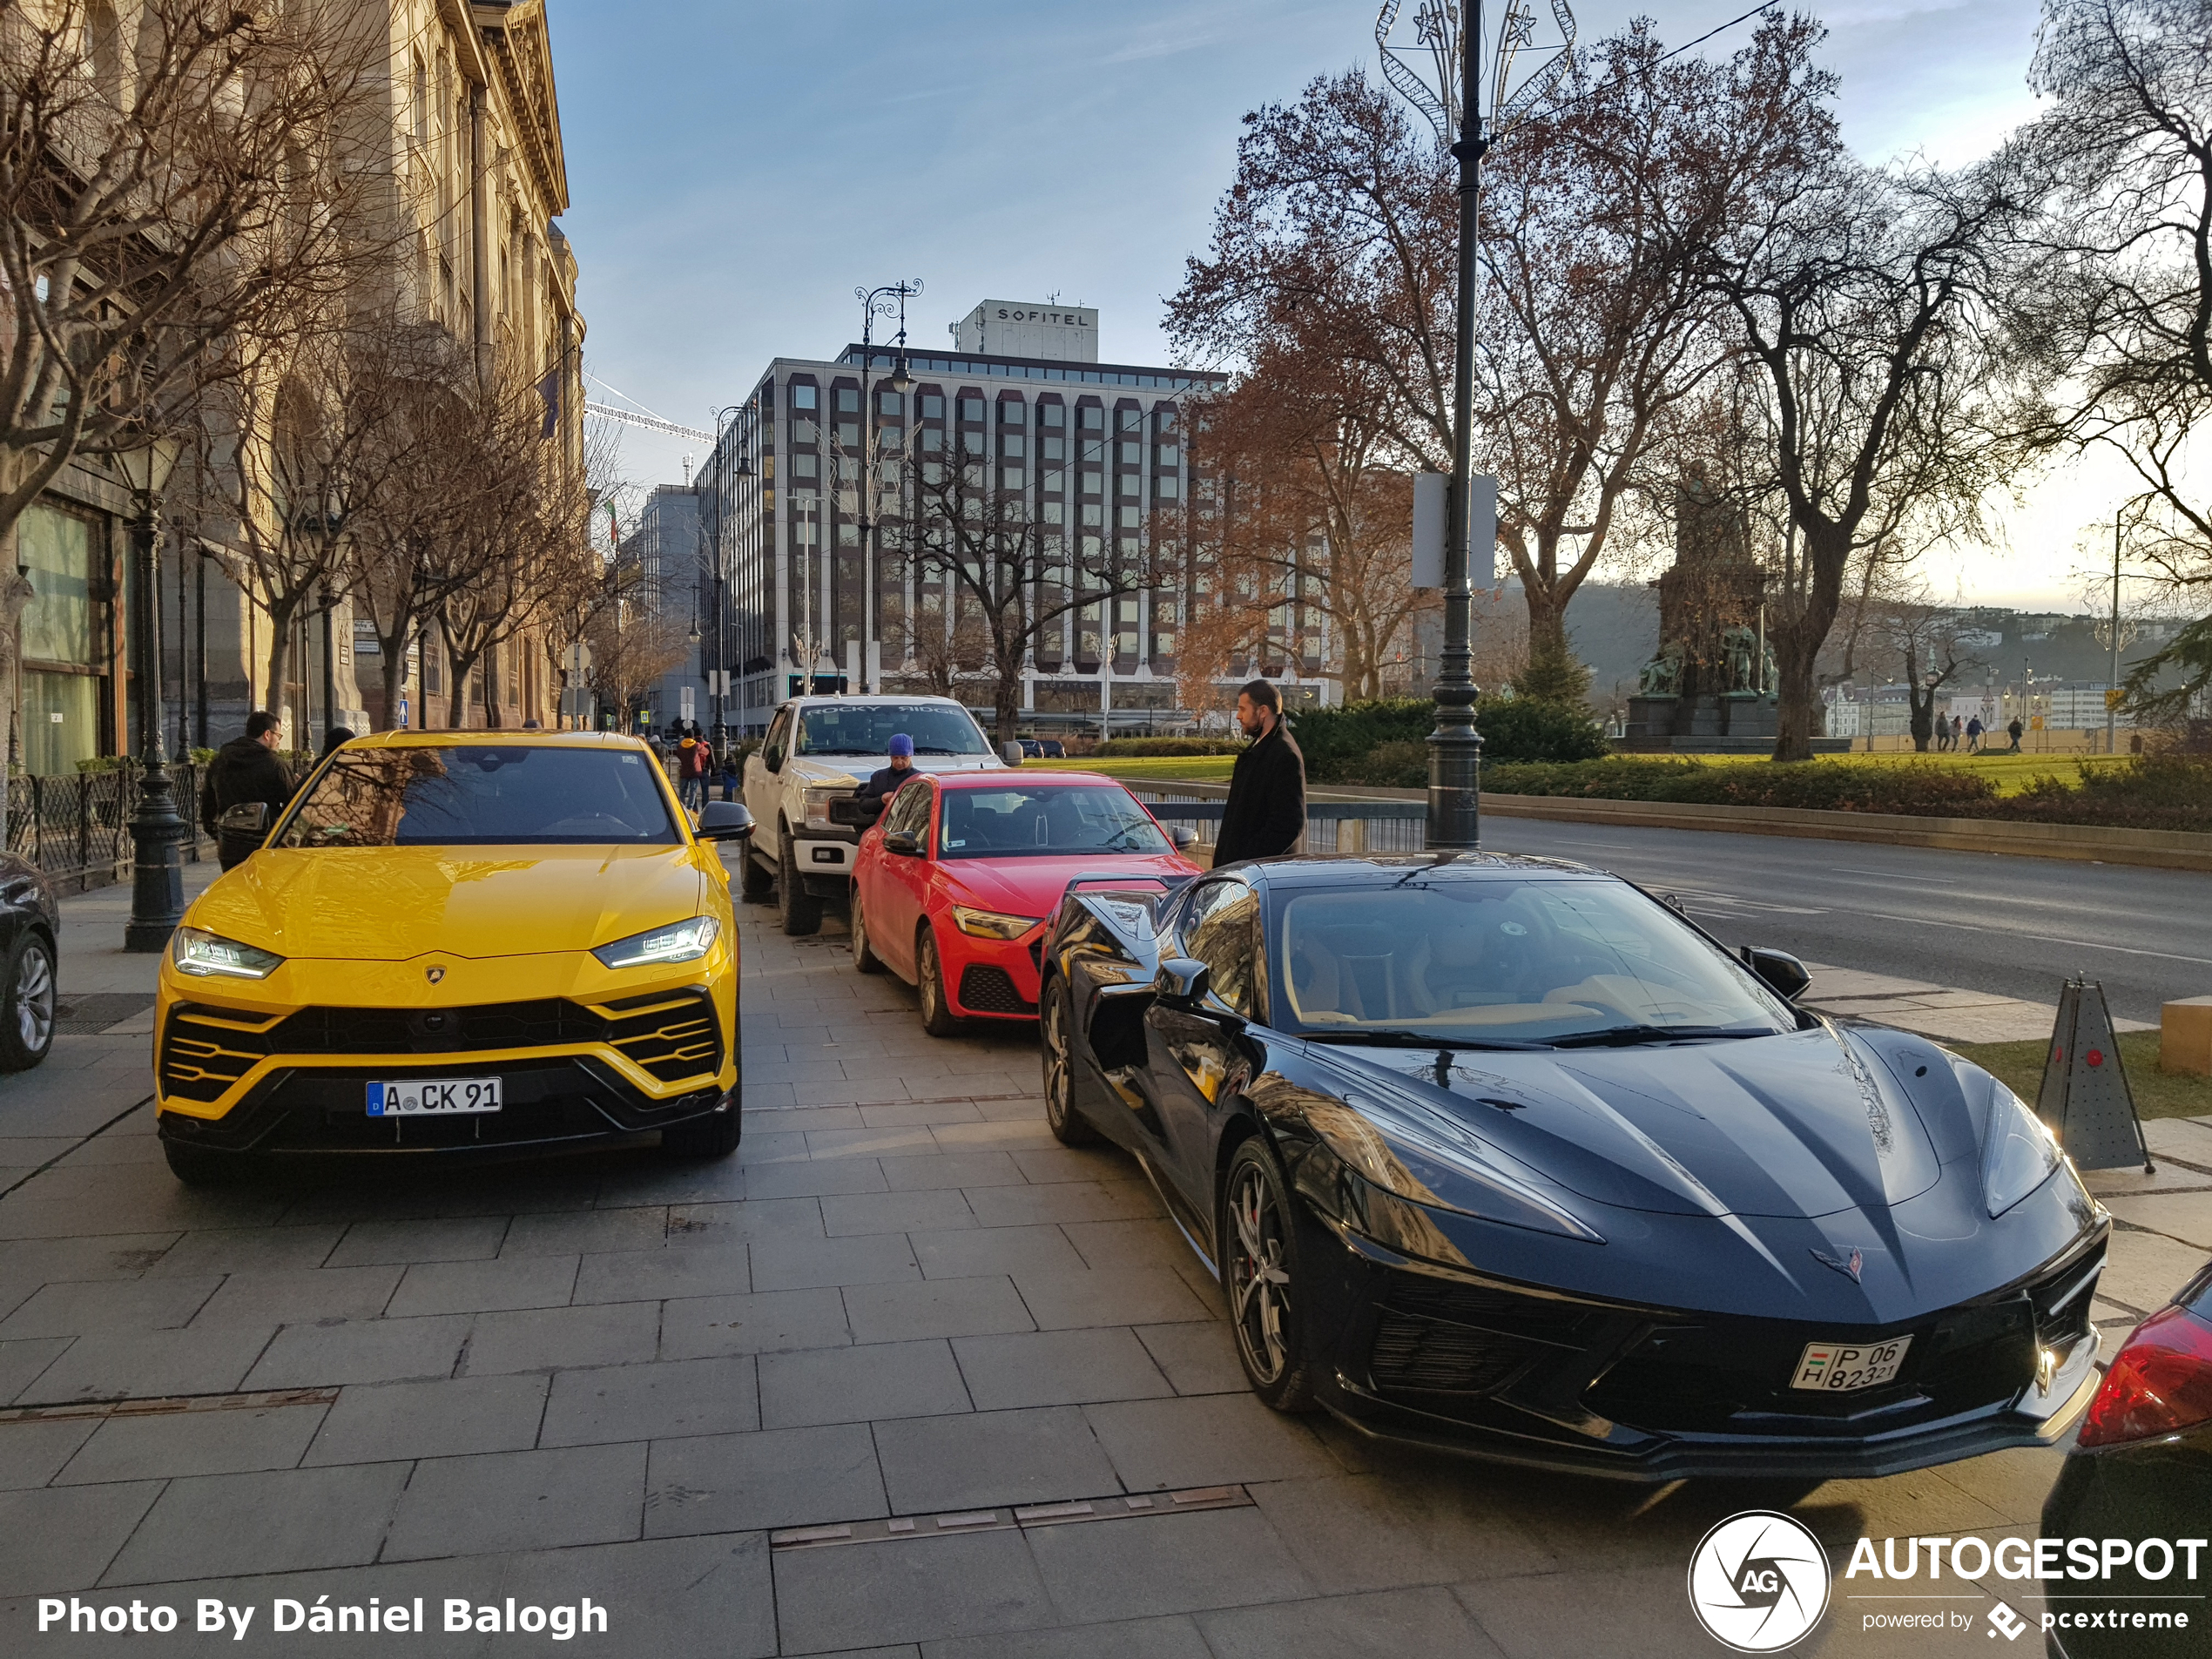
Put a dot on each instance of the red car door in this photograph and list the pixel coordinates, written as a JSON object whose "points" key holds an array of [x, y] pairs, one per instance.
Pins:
{"points": [[894, 903]]}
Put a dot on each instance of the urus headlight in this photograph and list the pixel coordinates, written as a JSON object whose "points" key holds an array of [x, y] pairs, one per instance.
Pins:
{"points": [[989, 924], [211, 956], [2018, 1153], [1425, 1164], [681, 941]]}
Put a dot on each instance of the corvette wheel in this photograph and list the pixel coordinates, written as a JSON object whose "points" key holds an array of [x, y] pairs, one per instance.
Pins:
{"points": [[937, 1016], [1070, 1127], [800, 911], [1259, 1268], [864, 956]]}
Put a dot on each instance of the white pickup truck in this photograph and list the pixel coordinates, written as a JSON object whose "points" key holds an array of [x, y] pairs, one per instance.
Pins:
{"points": [[817, 749]]}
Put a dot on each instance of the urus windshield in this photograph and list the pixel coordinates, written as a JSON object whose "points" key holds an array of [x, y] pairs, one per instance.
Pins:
{"points": [[479, 795]]}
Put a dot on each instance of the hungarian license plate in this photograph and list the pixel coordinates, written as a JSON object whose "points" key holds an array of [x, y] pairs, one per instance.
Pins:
{"points": [[437, 1098], [1838, 1367]]}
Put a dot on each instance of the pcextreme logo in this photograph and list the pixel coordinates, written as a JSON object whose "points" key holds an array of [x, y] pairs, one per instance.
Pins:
{"points": [[1758, 1582]]}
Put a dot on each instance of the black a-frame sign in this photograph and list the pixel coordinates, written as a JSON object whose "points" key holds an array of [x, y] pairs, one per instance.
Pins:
{"points": [[2084, 1098]]}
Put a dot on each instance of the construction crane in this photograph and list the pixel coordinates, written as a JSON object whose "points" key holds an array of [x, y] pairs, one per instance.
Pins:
{"points": [[651, 422]]}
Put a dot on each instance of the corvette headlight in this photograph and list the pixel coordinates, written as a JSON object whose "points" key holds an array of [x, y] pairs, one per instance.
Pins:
{"points": [[818, 800], [680, 942], [989, 924], [1425, 1165], [2018, 1153], [211, 956]]}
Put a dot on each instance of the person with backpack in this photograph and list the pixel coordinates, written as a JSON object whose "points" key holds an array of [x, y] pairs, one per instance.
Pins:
{"points": [[694, 761]]}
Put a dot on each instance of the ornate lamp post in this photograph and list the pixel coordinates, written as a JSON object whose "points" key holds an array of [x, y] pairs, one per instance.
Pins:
{"points": [[1449, 91], [877, 302], [158, 878]]}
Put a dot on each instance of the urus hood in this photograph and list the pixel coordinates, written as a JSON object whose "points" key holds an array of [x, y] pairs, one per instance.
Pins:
{"points": [[388, 904], [1800, 1125]]}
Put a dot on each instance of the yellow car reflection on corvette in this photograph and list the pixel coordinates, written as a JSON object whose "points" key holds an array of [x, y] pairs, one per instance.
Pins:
{"points": [[459, 943]]}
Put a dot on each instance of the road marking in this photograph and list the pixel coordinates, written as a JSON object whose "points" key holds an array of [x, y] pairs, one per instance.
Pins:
{"points": [[1894, 875]]}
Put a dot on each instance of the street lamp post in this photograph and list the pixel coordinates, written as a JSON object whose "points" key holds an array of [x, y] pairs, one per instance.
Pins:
{"points": [[877, 302], [1451, 35], [158, 878]]}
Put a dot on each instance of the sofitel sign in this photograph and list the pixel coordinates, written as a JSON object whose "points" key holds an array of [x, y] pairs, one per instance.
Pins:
{"points": [[1070, 319]]}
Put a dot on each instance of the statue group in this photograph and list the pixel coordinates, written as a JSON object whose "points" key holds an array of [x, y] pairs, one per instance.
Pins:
{"points": [[1712, 676]]}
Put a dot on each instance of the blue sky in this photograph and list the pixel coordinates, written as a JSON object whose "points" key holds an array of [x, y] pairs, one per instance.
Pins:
{"points": [[735, 170]]}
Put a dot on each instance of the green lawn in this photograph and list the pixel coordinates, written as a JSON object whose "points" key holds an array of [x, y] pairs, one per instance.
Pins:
{"points": [[1193, 769], [2158, 1094]]}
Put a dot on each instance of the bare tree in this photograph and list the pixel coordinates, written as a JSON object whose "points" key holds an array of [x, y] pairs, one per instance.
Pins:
{"points": [[1010, 575], [172, 181]]}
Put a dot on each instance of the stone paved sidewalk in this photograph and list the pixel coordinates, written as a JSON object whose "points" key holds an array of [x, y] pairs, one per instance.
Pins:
{"points": [[902, 1313]]}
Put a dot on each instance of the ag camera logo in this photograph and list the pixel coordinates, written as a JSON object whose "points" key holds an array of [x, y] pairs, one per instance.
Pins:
{"points": [[1758, 1582]]}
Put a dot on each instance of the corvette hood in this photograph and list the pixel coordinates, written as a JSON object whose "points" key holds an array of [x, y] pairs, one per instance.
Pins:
{"points": [[1800, 1125], [388, 904], [1032, 886]]}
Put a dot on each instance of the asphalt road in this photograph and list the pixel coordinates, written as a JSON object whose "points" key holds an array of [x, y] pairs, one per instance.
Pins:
{"points": [[1980, 921]]}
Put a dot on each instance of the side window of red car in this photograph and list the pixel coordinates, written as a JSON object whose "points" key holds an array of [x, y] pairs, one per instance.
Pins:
{"points": [[909, 809]]}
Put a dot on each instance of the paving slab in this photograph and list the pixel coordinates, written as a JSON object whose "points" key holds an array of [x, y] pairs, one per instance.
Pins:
{"points": [[142, 1364], [797, 1477], [606, 1333], [2143, 1270], [1120, 1569], [2185, 1217], [62, 1538], [198, 1442], [218, 1526], [502, 1284], [653, 1275], [450, 1417], [1057, 1368], [859, 1385], [662, 1400], [312, 1356], [1204, 1440], [1389, 1625], [949, 1308], [33, 1451], [767, 1322], [504, 1500], [977, 1460], [863, 1595]]}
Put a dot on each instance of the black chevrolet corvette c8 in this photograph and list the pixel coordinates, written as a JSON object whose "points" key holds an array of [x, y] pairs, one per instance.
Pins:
{"points": [[1505, 1156]]}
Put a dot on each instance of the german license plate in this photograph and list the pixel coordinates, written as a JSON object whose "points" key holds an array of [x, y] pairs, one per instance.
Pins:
{"points": [[1838, 1367], [437, 1098]]}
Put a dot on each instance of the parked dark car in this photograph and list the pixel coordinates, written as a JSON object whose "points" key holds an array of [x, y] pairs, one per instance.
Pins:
{"points": [[1031, 749], [1052, 748], [1504, 1155], [2140, 1469], [30, 922]]}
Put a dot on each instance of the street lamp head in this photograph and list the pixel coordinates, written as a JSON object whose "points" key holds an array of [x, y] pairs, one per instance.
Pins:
{"points": [[147, 467], [901, 382]]}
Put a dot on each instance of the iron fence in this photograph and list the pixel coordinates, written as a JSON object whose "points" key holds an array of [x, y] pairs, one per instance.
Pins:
{"points": [[1330, 826], [77, 828]]}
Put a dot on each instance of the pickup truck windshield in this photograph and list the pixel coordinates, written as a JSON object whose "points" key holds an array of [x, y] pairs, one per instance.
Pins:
{"points": [[477, 795], [868, 728]]}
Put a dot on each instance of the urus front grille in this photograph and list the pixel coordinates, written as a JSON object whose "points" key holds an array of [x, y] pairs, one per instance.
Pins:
{"points": [[987, 989], [669, 1035]]}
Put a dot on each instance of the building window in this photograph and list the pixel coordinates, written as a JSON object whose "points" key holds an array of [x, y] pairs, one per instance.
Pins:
{"points": [[1128, 485], [848, 400], [1056, 481], [1054, 448], [1011, 411], [802, 396], [1091, 418], [971, 443], [932, 409], [62, 631], [1055, 512], [887, 404], [1130, 455], [971, 408], [804, 465], [1010, 478], [1169, 455], [1052, 415], [1092, 517], [1163, 488]]}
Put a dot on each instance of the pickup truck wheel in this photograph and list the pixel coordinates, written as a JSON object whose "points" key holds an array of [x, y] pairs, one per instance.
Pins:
{"points": [[756, 882], [800, 911]]}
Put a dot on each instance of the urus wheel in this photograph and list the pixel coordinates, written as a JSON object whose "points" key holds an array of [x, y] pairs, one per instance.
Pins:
{"points": [[937, 1016], [1070, 1127], [1259, 1270], [864, 956]]}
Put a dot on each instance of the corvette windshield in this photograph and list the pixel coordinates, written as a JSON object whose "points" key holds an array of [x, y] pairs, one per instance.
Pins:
{"points": [[1046, 819], [1577, 963], [477, 795], [867, 729]]}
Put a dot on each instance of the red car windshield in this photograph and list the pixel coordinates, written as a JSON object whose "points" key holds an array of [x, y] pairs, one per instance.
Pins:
{"points": [[1045, 820]]}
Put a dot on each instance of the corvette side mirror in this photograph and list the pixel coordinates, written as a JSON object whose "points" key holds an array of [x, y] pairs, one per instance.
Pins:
{"points": [[1781, 972], [1181, 980], [903, 842], [724, 821]]}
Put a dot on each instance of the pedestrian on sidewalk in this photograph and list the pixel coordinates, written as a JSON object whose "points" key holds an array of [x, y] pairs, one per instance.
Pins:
{"points": [[1266, 813], [2014, 731], [1973, 736], [694, 759], [886, 781], [244, 770], [338, 737]]}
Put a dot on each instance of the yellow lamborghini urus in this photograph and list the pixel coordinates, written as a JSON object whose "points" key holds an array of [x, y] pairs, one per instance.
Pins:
{"points": [[456, 943]]}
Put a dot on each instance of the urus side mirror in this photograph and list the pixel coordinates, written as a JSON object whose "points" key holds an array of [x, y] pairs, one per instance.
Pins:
{"points": [[724, 821]]}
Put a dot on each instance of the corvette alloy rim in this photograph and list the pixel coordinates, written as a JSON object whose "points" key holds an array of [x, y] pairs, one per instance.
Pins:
{"points": [[1056, 1061], [1260, 1285], [35, 1000]]}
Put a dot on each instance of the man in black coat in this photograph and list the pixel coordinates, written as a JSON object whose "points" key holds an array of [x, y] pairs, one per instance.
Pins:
{"points": [[1266, 813], [245, 769]]}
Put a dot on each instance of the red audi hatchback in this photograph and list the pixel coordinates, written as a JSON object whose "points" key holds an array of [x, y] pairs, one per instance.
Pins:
{"points": [[952, 887]]}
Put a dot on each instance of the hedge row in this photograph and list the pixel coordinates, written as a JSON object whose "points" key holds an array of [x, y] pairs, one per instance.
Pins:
{"points": [[1387, 742], [2151, 792], [1114, 747]]}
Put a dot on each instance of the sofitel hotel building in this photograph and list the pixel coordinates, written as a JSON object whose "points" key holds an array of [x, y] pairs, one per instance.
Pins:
{"points": [[805, 501]]}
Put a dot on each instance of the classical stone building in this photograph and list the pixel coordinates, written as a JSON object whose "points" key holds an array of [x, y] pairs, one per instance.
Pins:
{"points": [[469, 136]]}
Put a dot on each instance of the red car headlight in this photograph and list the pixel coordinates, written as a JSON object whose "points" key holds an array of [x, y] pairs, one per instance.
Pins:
{"points": [[990, 924]]}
